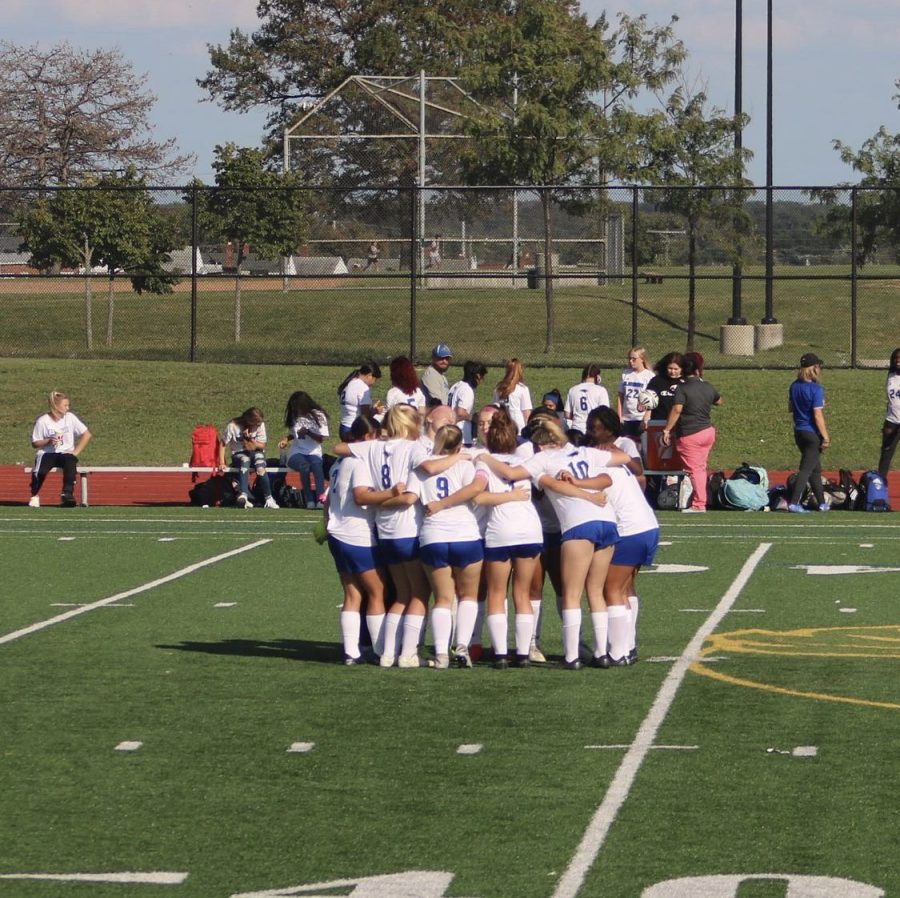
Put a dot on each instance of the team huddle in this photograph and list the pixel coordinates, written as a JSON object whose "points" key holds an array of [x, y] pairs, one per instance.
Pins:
{"points": [[419, 506]]}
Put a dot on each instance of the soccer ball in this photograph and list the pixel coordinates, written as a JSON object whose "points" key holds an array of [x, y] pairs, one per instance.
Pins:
{"points": [[648, 399]]}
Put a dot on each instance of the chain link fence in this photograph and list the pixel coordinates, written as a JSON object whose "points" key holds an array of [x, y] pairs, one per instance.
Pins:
{"points": [[557, 276]]}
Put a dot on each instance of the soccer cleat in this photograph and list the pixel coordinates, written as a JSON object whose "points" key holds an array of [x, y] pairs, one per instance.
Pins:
{"points": [[387, 660], [34, 502], [571, 665], [633, 656], [619, 662], [441, 662], [350, 661], [243, 501], [408, 661], [271, 503], [536, 655], [824, 507], [501, 662], [797, 509], [461, 657], [521, 661], [603, 662], [68, 500]]}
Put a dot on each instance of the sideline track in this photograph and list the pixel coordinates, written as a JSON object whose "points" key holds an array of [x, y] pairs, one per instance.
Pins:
{"points": [[146, 587], [595, 835]]}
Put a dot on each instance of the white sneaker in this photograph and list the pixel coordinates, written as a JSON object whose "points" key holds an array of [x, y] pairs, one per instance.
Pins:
{"points": [[34, 502], [243, 501], [387, 660], [692, 510], [461, 656], [536, 656], [411, 661], [442, 662], [271, 503]]}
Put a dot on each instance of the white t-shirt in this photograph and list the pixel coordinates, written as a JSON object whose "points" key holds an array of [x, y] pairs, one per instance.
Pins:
{"points": [[631, 383], [452, 525], [391, 462], [513, 523], [315, 423], [355, 394], [463, 396], [627, 499], [892, 413], [347, 521], [64, 432], [396, 396], [581, 462], [233, 439], [581, 399], [517, 403]]}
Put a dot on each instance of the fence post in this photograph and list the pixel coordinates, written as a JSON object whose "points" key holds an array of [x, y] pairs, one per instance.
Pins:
{"points": [[413, 228], [193, 352], [854, 273], [634, 266]]}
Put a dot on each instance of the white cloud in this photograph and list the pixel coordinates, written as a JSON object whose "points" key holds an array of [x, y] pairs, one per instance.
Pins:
{"points": [[145, 14]]}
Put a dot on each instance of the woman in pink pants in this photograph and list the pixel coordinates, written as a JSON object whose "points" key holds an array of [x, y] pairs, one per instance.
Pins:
{"points": [[695, 435]]}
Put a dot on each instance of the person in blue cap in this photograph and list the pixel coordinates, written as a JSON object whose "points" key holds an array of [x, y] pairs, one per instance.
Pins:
{"points": [[434, 381]]}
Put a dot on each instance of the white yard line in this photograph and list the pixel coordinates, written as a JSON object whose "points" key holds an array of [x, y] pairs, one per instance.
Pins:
{"points": [[83, 609], [605, 815]]}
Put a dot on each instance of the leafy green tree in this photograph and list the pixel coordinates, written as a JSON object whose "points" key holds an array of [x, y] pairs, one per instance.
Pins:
{"points": [[572, 124], [252, 208], [109, 221], [691, 149]]}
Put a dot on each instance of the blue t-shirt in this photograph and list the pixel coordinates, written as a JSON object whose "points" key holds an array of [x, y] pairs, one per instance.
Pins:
{"points": [[805, 396]]}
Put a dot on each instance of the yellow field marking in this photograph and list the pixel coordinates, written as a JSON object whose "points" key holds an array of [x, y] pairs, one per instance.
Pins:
{"points": [[755, 642]]}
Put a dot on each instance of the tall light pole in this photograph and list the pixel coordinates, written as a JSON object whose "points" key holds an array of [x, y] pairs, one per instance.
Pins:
{"points": [[770, 248], [737, 273]]}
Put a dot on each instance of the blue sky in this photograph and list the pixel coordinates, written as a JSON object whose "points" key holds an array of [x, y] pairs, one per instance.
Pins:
{"points": [[835, 67]]}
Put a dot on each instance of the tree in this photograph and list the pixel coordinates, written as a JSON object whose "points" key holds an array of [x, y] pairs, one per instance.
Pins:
{"points": [[65, 113], [572, 120], [252, 207], [878, 208], [111, 222], [692, 150]]}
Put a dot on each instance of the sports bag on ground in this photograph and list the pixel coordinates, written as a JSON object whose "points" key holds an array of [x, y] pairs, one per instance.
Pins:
{"points": [[873, 493], [742, 495], [753, 473]]}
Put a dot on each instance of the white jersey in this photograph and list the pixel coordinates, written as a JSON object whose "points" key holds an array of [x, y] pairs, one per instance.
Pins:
{"points": [[546, 514], [462, 396], [315, 423], [396, 396], [582, 399], [392, 462], [581, 462], [452, 525], [633, 514], [892, 413], [63, 431], [628, 446], [513, 523], [355, 394], [517, 403], [630, 386], [347, 521], [233, 437]]}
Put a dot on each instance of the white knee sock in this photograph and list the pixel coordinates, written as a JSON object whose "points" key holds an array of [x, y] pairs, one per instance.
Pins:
{"points": [[466, 614], [413, 625], [619, 631], [524, 633], [350, 632], [600, 623], [634, 604], [497, 628], [441, 628], [375, 626], [389, 632], [536, 605], [571, 632]]}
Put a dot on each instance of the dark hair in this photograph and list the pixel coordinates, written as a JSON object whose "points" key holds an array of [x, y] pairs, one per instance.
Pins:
{"points": [[502, 435], [537, 416], [472, 371], [689, 368], [403, 374], [362, 427], [895, 361], [592, 370], [607, 417], [556, 396], [365, 368], [697, 359], [251, 417], [299, 405], [669, 358]]}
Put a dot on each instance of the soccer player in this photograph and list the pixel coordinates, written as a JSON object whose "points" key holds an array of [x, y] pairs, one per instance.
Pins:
{"points": [[53, 436], [462, 398], [585, 396]]}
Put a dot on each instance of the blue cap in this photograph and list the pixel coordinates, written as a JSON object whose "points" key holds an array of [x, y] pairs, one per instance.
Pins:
{"points": [[441, 351]]}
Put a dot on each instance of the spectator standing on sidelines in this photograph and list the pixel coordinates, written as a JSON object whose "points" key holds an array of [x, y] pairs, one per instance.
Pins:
{"points": [[806, 403], [890, 432], [53, 436], [434, 378]]}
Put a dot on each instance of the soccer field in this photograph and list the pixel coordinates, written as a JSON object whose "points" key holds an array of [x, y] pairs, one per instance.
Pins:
{"points": [[177, 722]]}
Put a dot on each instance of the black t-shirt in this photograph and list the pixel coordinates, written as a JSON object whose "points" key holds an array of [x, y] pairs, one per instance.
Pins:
{"points": [[664, 386]]}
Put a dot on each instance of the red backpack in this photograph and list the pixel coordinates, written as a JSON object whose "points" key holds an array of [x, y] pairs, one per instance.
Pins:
{"points": [[205, 445]]}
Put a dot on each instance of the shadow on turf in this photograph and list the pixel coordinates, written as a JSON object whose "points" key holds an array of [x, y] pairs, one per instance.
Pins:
{"points": [[293, 649]]}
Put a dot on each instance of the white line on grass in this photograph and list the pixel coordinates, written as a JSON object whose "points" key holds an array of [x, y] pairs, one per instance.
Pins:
{"points": [[156, 878], [146, 587], [605, 815]]}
